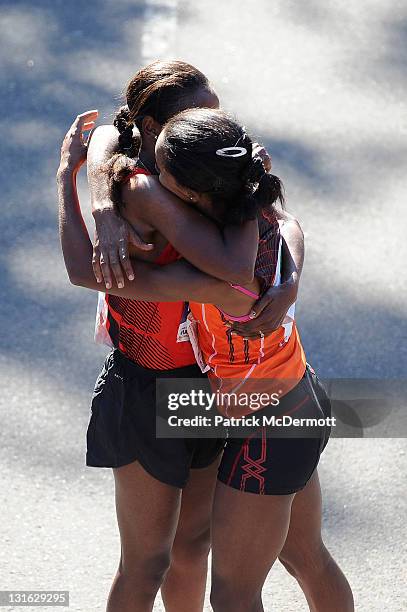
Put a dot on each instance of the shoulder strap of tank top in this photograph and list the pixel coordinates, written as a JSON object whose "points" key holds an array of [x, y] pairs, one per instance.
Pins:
{"points": [[245, 291]]}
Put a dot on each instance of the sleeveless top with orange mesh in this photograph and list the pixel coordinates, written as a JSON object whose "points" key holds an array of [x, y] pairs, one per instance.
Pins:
{"points": [[146, 332], [273, 363]]}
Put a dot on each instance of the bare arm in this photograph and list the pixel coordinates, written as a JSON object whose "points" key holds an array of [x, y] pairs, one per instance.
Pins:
{"points": [[293, 250], [171, 283], [174, 282], [269, 312], [228, 254], [215, 251], [113, 233], [103, 145]]}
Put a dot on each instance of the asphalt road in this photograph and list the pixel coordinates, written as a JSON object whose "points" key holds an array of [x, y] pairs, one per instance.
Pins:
{"points": [[323, 85]]}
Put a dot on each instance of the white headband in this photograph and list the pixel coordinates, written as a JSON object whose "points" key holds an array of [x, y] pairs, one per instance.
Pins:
{"points": [[227, 151], [238, 151]]}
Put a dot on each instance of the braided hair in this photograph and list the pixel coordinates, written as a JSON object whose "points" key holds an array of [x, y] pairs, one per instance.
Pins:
{"points": [[128, 144], [160, 90]]}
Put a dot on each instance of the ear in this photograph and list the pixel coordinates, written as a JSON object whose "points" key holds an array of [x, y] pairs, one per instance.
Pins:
{"points": [[191, 196], [201, 200], [150, 128]]}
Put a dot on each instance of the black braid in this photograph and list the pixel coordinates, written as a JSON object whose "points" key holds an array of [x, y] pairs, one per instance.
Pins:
{"points": [[127, 143]]}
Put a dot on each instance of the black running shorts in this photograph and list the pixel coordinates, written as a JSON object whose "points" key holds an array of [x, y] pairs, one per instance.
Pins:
{"points": [[122, 424], [267, 465]]}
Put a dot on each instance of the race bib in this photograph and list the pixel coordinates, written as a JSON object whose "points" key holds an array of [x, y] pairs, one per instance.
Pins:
{"points": [[192, 330], [101, 335], [182, 334]]}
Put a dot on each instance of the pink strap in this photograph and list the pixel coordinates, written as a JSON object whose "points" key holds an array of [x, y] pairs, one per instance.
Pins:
{"points": [[245, 291], [243, 318]]}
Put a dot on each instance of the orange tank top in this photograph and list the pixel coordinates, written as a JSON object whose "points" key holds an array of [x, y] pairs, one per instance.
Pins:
{"points": [[272, 364]]}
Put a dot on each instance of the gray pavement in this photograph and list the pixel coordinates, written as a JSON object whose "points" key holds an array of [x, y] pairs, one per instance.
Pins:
{"points": [[323, 85]]}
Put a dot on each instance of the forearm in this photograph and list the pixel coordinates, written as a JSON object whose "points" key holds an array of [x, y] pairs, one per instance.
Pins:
{"points": [[228, 254], [293, 250], [103, 145], [76, 245], [272, 308], [172, 283]]}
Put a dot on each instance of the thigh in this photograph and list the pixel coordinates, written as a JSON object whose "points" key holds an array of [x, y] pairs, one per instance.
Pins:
{"points": [[196, 504], [147, 514], [248, 532], [304, 534], [268, 465]]}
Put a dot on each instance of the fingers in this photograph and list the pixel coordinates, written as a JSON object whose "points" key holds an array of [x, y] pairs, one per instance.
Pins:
{"points": [[252, 329], [125, 259], [267, 164], [74, 148], [260, 151], [84, 119], [112, 240], [97, 271], [261, 304], [87, 117], [87, 127], [116, 268], [82, 123], [138, 242], [104, 265], [116, 253], [254, 334], [250, 335], [247, 335]]}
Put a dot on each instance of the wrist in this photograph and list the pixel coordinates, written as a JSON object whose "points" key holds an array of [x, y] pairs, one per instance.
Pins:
{"points": [[71, 162], [100, 208], [66, 171]]}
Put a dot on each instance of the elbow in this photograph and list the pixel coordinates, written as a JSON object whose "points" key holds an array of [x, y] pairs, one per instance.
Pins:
{"points": [[300, 230], [75, 278], [242, 276], [296, 224]]}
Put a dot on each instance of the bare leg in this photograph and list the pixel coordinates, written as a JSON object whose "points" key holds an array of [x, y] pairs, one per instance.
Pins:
{"points": [[304, 555], [147, 514], [248, 533], [183, 589]]}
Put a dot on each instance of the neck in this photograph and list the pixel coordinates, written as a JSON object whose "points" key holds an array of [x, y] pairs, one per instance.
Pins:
{"points": [[205, 206], [147, 157]]}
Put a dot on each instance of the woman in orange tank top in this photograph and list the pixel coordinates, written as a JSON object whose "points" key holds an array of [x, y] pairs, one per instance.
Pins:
{"points": [[265, 479]]}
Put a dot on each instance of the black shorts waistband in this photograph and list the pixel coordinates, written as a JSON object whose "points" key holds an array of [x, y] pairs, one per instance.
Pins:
{"points": [[189, 371]]}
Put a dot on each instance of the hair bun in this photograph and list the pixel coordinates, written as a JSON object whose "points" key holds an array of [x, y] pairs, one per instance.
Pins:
{"points": [[255, 171]]}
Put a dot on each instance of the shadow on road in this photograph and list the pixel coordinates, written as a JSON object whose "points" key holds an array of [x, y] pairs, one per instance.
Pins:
{"points": [[62, 58]]}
